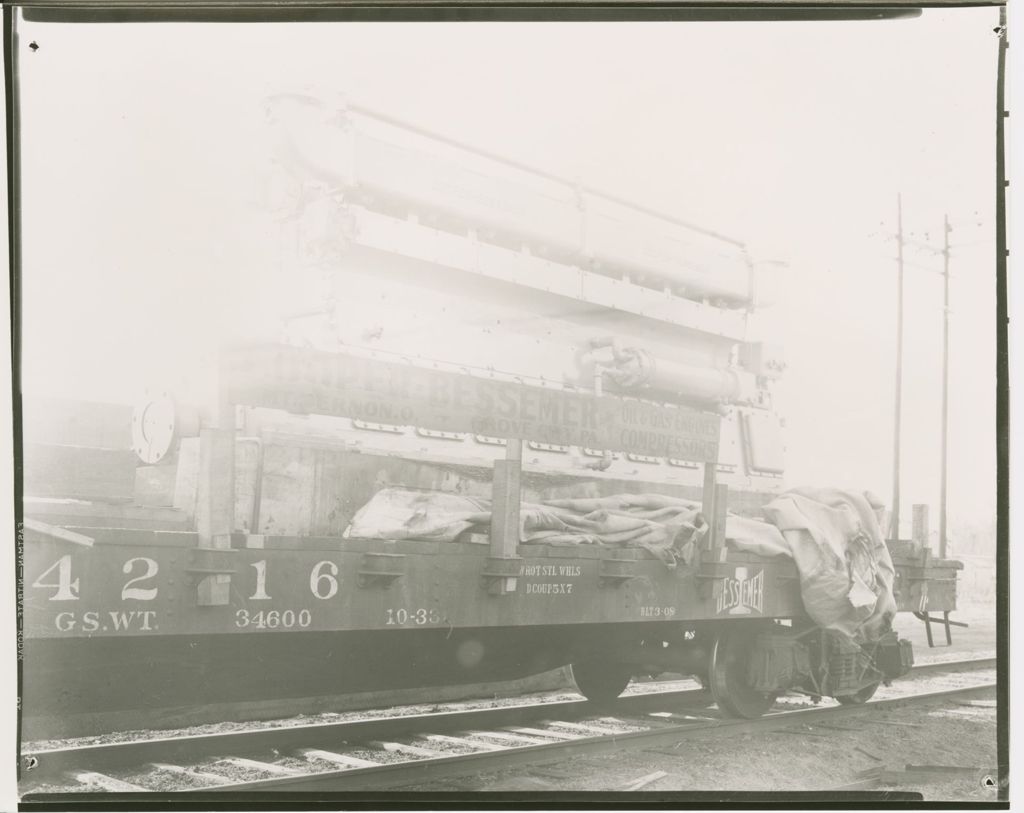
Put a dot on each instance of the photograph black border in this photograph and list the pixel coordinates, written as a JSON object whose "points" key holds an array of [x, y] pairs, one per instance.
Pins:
{"points": [[203, 11]]}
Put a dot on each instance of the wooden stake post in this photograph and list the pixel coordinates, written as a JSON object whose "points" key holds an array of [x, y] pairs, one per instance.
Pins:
{"points": [[714, 506], [713, 553], [215, 508], [506, 499], [707, 507]]}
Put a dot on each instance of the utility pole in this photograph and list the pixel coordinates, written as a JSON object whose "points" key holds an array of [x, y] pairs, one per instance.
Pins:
{"points": [[894, 525], [945, 383]]}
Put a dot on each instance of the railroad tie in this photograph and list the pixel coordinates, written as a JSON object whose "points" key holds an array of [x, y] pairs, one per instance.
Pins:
{"points": [[672, 715], [101, 780], [257, 765], [505, 736], [467, 743], [402, 748], [587, 728], [182, 771], [542, 732], [337, 759]]}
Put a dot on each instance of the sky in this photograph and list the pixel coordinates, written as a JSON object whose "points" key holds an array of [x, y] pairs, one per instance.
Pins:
{"points": [[143, 148]]}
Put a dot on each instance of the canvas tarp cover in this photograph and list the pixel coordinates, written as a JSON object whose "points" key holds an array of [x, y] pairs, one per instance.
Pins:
{"points": [[833, 537]]}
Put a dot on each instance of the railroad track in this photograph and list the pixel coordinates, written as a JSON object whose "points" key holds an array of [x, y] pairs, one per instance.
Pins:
{"points": [[401, 751]]}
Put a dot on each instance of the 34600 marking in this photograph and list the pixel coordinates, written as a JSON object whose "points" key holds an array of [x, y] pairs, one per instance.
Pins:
{"points": [[273, 619]]}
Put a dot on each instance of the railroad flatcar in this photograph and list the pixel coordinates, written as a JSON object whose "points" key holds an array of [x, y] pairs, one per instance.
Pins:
{"points": [[475, 338]]}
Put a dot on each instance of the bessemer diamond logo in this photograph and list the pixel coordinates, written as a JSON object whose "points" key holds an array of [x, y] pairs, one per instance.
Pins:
{"points": [[742, 594]]}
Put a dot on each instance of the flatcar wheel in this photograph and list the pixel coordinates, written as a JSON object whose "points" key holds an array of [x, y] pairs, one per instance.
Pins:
{"points": [[728, 676], [863, 696], [601, 681]]}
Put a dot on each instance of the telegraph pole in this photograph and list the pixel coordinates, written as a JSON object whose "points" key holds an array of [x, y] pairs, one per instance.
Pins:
{"points": [[894, 525], [945, 383]]}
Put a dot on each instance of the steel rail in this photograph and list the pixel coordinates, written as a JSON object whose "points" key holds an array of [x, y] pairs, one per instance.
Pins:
{"points": [[921, 669], [427, 770], [47, 764]]}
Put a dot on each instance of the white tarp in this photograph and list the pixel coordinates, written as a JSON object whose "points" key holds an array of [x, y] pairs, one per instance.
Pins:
{"points": [[833, 536], [846, 572]]}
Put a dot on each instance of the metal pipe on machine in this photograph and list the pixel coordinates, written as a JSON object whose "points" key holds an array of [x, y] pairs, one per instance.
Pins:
{"points": [[632, 368]]}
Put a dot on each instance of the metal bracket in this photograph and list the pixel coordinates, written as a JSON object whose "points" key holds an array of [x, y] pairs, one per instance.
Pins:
{"points": [[210, 570], [211, 562], [380, 569], [616, 572], [500, 575], [712, 566]]}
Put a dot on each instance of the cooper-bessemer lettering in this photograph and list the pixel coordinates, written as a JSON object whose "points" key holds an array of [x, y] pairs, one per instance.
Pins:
{"points": [[315, 382]]}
